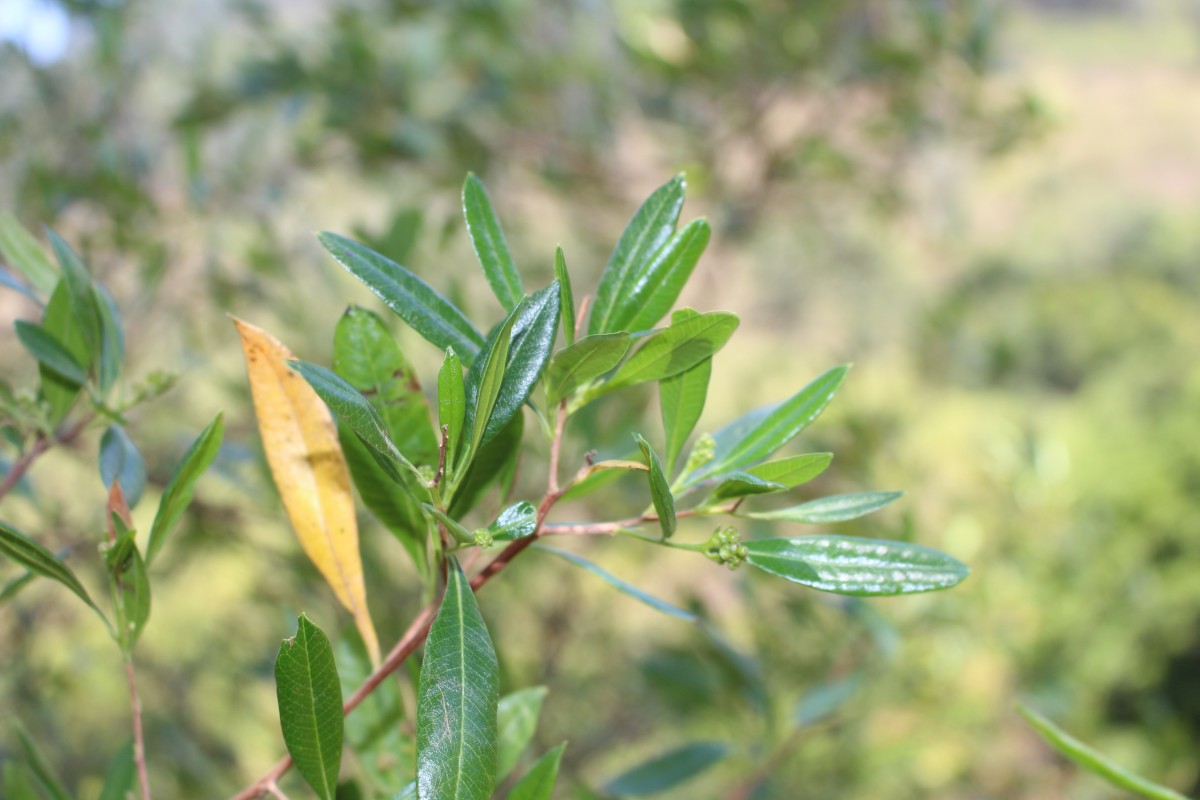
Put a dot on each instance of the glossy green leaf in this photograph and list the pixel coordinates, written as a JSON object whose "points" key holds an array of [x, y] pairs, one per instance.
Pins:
{"points": [[667, 770], [416, 302], [22, 251], [458, 696], [483, 384], [533, 334], [409, 792], [354, 410], [50, 352], [836, 508], [822, 700], [853, 566], [622, 586], [45, 776], [676, 349], [516, 721], [120, 776], [130, 587], [494, 464], [660, 489], [396, 505], [515, 522], [59, 321], [368, 358], [584, 361], [741, 484], [567, 298], [681, 398], [35, 558], [121, 460], [656, 284], [487, 237], [310, 706], [81, 294], [178, 494], [452, 406], [651, 227], [112, 339], [538, 782], [793, 470], [1093, 761]]}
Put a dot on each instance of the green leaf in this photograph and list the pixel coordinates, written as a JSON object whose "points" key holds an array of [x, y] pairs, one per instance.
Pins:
{"points": [[584, 361], [515, 522], [455, 528], [538, 782], [120, 776], [50, 352], [11, 587], [487, 237], [416, 302], [10, 281], [452, 406], [178, 494], [60, 322], [495, 463], [18, 782], [836, 508], [40, 767], [130, 587], [824, 699], [23, 252], [741, 484], [121, 460], [533, 334], [310, 706], [681, 398], [483, 384], [1091, 760], [354, 410], [755, 436], [793, 470], [81, 294], [650, 228], [112, 339], [516, 721], [660, 489], [667, 770], [567, 298], [458, 695], [35, 558], [676, 349], [409, 792], [853, 566], [622, 586], [656, 284], [368, 358], [396, 505]]}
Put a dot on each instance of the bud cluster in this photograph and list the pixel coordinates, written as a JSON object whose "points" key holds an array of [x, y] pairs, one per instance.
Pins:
{"points": [[725, 547]]}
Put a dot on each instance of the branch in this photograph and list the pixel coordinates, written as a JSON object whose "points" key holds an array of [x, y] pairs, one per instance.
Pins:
{"points": [[139, 738], [40, 446]]}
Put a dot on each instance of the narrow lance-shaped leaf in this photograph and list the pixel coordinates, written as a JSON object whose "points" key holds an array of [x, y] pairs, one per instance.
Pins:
{"points": [[309, 470], [656, 284], [781, 425], [649, 229], [1094, 761], [50, 352], [584, 361], [742, 484], [452, 406], [22, 250], [538, 782], [59, 321], [18, 782], [487, 237], [567, 297], [416, 302], [660, 489], [676, 349], [40, 767], [178, 494], [483, 385], [667, 770], [37, 559], [516, 721], [81, 293], [458, 695], [793, 470], [310, 706], [112, 339], [836, 508], [681, 398], [623, 586], [853, 566], [121, 460]]}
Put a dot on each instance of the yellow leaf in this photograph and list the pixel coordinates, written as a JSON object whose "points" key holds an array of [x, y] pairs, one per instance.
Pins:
{"points": [[309, 469]]}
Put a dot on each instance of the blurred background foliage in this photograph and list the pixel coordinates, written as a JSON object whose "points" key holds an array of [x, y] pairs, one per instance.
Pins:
{"points": [[989, 207]]}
